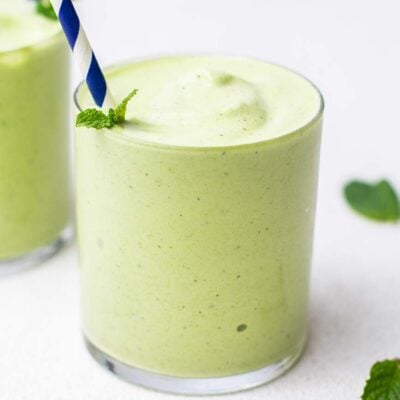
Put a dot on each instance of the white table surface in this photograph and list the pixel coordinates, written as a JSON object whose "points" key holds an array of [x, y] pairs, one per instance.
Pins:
{"points": [[350, 49]]}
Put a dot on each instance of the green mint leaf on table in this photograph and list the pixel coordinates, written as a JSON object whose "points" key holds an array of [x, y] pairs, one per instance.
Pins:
{"points": [[384, 381], [97, 119], [46, 9], [376, 201]]}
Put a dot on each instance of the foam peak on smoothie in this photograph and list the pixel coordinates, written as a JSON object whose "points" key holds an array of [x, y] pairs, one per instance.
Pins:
{"points": [[21, 26], [206, 99], [211, 101]]}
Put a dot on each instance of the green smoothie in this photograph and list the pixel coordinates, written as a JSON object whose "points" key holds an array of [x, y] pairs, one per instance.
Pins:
{"points": [[34, 121], [196, 219]]}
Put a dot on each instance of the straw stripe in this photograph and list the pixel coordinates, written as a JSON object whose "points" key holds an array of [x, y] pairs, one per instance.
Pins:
{"points": [[83, 52], [96, 82], [69, 21]]}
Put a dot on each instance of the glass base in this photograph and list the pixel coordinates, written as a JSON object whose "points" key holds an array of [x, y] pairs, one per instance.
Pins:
{"points": [[36, 257], [193, 386]]}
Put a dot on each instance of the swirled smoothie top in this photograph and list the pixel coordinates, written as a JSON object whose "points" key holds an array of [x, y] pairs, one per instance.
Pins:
{"points": [[21, 26], [211, 101]]}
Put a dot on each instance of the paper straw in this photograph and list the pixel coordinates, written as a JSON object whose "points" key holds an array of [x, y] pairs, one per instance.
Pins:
{"points": [[83, 53]]}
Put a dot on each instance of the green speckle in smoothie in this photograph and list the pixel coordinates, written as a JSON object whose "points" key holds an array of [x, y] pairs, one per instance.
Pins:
{"points": [[223, 79], [100, 243], [241, 327]]}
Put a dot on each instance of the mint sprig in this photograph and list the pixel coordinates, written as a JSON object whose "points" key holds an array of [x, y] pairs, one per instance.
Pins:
{"points": [[97, 119], [384, 381], [377, 201], [45, 8]]}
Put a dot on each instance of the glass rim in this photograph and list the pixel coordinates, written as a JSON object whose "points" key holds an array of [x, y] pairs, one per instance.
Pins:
{"points": [[58, 32], [149, 143]]}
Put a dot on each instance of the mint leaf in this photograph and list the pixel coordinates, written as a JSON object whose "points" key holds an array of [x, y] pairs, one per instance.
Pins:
{"points": [[97, 119], [384, 381], [46, 9], [93, 118], [120, 111], [377, 201]]}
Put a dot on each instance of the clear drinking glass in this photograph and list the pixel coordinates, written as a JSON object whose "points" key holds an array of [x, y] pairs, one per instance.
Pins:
{"points": [[34, 156], [195, 261]]}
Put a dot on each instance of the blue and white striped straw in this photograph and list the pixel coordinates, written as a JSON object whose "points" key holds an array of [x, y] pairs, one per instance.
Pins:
{"points": [[83, 53]]}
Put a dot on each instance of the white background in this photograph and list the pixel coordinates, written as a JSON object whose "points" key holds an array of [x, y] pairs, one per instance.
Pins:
{"points": [[350, 49]]}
